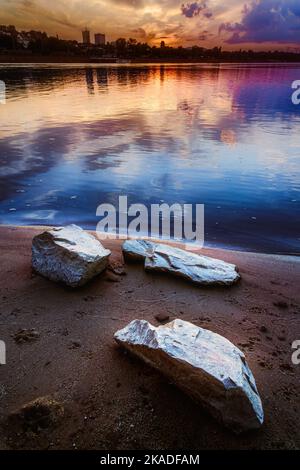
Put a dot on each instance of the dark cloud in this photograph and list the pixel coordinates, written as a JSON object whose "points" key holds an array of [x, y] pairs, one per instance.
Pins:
{"points": [[173, 29], [27, 3], [142, 35], [34, 9], [266, 21], [204, 36], [190, 10], [130, 3], [139, 32], [196, 37]]}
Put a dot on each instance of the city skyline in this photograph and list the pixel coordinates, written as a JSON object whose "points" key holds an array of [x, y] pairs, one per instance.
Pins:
{"points": [[259, 24]]}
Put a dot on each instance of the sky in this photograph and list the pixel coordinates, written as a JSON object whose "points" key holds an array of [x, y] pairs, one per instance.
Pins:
{"points": [[232, 24]]}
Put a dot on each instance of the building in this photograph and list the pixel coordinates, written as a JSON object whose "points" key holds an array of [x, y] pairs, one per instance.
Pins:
{"points": [[100, 39], [86, 38]]}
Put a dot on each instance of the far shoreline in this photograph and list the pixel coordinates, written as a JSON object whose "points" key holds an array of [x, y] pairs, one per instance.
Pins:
{"points": [[21, 59]]}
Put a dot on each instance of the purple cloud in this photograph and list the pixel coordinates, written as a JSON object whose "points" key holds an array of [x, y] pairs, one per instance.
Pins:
{"points": [[266, 21], [194, 9]]}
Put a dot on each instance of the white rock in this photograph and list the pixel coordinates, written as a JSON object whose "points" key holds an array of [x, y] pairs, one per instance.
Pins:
{"points": [[196, 268], [69, 255], [137, 250], [201, 270], [204, 364]]}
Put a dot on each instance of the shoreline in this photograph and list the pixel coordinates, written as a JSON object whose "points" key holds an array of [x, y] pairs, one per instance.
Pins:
{"points": [[289, 256], [113, 401]]}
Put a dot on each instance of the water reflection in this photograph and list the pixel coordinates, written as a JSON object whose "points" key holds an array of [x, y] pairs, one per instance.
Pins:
{"points": [[102, 79], [89, 76], [227, 136]]}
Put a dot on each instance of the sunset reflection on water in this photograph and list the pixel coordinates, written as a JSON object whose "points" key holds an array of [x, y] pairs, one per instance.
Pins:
{"points": [[226, 136]]}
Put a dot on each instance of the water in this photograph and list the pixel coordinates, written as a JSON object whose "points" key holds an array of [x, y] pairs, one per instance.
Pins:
{"points": [[227, 136]]}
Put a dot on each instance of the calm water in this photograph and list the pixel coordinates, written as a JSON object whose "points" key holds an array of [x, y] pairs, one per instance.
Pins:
{"points": [[227, 136]]}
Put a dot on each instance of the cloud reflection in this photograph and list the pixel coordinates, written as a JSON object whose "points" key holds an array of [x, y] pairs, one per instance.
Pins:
{"points": [[213, 135]]}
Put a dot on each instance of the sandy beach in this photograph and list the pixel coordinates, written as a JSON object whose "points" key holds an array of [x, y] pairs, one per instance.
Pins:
{"points": [[113, 401]]}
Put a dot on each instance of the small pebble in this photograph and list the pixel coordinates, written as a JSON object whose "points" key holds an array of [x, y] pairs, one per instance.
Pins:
{"points": [[162, 317]]}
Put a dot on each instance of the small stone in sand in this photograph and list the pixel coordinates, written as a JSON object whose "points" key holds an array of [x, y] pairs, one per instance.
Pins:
{"points": [[280, 304], [26, 336], [162, 317], [117, 269], [263, 329], [42, 413], [75, 345]]}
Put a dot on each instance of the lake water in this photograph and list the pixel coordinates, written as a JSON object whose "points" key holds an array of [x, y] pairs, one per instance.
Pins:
{"points": [[227, 136]]}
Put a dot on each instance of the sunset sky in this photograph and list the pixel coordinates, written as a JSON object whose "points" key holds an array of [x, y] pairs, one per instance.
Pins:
{"points": [[234, 24]]}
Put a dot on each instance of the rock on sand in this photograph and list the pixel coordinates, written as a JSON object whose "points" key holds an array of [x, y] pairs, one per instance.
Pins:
{"points": [[199, 269], [204, 364], [68, 255]]}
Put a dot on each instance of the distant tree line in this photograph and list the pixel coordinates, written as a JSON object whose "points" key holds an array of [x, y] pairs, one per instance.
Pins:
{"points": [[37, 42]]}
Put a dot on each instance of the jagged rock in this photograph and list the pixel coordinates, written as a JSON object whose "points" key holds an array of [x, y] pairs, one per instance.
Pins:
{"points": [[69, 255], [204, 364], [198, 269], [195, 268]]}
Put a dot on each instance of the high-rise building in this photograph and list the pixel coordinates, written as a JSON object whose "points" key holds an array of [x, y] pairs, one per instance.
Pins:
{"points": [[99, 39], [86, 39]]}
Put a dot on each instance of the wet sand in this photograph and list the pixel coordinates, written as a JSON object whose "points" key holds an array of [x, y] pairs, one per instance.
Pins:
{"points": [[112, 400]]}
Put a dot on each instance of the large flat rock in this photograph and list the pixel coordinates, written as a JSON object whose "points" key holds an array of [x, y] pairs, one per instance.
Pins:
{"points": [[204, 364], [69, 255], [198, 269]]}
